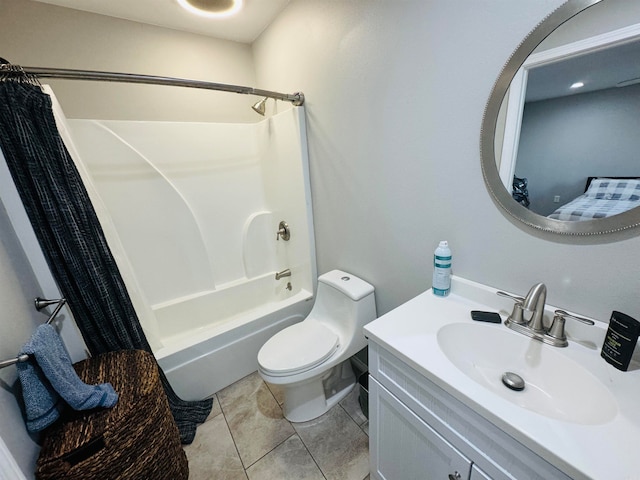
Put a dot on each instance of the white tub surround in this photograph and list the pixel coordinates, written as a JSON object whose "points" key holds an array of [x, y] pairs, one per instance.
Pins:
{"points": [[603, 447], [191, 212]]}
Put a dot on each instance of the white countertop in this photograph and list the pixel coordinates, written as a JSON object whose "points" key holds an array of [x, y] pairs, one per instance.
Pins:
{"points": [[607, 451]]}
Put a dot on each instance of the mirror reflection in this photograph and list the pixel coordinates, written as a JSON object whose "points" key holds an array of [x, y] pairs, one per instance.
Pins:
{"points": [[571, 137]]}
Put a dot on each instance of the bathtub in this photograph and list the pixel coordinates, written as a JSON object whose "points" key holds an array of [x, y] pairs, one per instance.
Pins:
{"points": [[211, 340], [191, 212]]}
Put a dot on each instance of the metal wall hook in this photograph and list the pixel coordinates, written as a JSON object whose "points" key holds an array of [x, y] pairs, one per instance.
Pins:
{"points": [[41, 303]]}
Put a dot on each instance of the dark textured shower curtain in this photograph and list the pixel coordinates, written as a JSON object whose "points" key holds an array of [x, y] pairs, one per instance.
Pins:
{"points": [[71, 237]]}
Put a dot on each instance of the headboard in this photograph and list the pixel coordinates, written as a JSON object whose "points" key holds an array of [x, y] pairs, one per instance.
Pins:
{"points": [[590, 179]]}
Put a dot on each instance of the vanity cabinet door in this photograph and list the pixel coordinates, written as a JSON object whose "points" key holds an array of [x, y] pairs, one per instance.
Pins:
{"points": [[404, 447]]}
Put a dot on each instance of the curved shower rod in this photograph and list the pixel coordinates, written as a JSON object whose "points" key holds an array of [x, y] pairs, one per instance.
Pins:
{"points": [[296, 99]]}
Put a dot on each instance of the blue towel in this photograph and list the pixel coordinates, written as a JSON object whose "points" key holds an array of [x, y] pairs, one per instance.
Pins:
{"points": [[49, 375]]}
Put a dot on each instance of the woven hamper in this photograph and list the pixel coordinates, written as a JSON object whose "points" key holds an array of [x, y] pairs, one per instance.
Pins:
{"points": [[136, 439]]}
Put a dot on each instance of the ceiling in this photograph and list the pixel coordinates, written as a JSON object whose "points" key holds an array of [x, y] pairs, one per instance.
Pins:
{"points": [[599, 70], [243, 27]]}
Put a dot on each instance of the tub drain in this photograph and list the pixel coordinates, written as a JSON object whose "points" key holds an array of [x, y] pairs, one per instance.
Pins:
{"points": [[513, 381]]}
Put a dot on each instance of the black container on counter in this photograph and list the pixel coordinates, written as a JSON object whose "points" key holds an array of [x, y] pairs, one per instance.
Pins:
{"points": [[620, 340]]}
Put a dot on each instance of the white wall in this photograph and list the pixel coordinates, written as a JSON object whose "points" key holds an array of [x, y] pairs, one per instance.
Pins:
{"points": [[18, 320], [42, 35], [395, 96]]}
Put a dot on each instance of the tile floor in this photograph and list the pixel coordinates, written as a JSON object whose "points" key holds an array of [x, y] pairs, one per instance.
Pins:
{"points": [[246, 437]]}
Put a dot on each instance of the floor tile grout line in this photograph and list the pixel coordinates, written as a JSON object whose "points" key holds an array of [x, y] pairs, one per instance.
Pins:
{"points": [[267, 453], [272, 394], [297, 434], [235, 445], [311, 455], [294, 433], [359, 425]]}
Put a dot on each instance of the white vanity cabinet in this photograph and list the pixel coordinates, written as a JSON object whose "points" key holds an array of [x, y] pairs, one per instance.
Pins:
{"points": [[406, 447], [420, 432]]}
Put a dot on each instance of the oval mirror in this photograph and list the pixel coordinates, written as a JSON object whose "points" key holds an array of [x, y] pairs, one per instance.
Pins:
{"points": [[561, 129]]}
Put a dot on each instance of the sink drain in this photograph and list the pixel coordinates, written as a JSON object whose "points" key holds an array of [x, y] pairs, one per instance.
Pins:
{"points": [[513, 381]]}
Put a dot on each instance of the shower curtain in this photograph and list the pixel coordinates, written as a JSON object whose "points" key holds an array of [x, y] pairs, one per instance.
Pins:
{"points": [[70, 234]]}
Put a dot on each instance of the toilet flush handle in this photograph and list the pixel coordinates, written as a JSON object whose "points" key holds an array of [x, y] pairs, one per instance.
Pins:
{"points": [[283, 231]]}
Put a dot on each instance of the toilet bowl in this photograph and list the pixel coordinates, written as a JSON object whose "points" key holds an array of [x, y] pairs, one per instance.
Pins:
{"points": [[309, 361]]}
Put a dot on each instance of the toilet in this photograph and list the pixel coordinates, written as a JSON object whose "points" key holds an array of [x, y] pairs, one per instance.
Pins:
{"points": [[309, 360]]}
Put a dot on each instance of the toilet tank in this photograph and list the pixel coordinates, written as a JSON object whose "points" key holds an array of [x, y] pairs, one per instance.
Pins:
{"points": [[345, 302]]}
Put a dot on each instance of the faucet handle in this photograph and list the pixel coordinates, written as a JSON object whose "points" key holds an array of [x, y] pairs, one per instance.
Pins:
{"points": [[516, 314], [556, 330], [562, 313], [283, 231], [515, 298]]}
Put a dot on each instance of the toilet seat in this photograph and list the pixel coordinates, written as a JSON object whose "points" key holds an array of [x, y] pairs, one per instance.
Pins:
{"points": [[297, 348]]}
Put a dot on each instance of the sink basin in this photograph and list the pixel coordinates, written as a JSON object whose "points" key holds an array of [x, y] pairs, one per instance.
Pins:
{"points": [[556, 386]]}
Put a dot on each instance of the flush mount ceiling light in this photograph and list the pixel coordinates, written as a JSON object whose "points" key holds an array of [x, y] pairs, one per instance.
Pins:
{"points": [[577, 85], [212, 8]]}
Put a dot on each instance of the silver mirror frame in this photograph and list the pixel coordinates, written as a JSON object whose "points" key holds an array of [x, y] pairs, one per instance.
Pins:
{"points": [[617, 223]]}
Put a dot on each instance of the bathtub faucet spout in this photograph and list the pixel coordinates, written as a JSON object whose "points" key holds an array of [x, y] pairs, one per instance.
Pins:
{"points": [[283, 273]]}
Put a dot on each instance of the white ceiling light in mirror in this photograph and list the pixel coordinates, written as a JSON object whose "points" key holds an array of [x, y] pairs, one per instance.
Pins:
{"points": [[212, 8]]}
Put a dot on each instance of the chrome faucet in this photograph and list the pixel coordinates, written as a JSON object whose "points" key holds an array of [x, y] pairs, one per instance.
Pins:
{"points": [[283, 273], [534, 303]]}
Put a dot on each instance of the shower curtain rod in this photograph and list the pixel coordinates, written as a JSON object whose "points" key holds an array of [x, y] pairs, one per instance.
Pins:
{"points": [[296, 99]]}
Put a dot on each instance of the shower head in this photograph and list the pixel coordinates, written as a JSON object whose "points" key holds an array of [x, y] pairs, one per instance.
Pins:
{"points": [[258, 107]]}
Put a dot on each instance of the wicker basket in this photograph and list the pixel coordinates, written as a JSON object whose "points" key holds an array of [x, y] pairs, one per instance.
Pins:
{"points": [[136, 439]]}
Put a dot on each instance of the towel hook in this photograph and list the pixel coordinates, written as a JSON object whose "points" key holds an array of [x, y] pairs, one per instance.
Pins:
{"points": [[41, 303]]}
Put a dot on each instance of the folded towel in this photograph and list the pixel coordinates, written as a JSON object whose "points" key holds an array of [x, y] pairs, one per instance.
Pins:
{"points": [[49, 375]]}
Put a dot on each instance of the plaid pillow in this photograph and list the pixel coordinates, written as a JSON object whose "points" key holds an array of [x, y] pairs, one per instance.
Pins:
{"points": [[614, 189]]}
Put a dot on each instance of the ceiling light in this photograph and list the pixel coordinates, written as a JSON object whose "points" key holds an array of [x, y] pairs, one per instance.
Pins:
{"points": [[577, 85], [212, 8]]}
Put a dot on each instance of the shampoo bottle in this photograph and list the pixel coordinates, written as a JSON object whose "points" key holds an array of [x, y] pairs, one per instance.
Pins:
{"points": [[442, 270]]}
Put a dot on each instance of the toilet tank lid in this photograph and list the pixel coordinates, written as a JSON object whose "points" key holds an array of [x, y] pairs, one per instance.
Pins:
{"points": [[350, 285]]}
